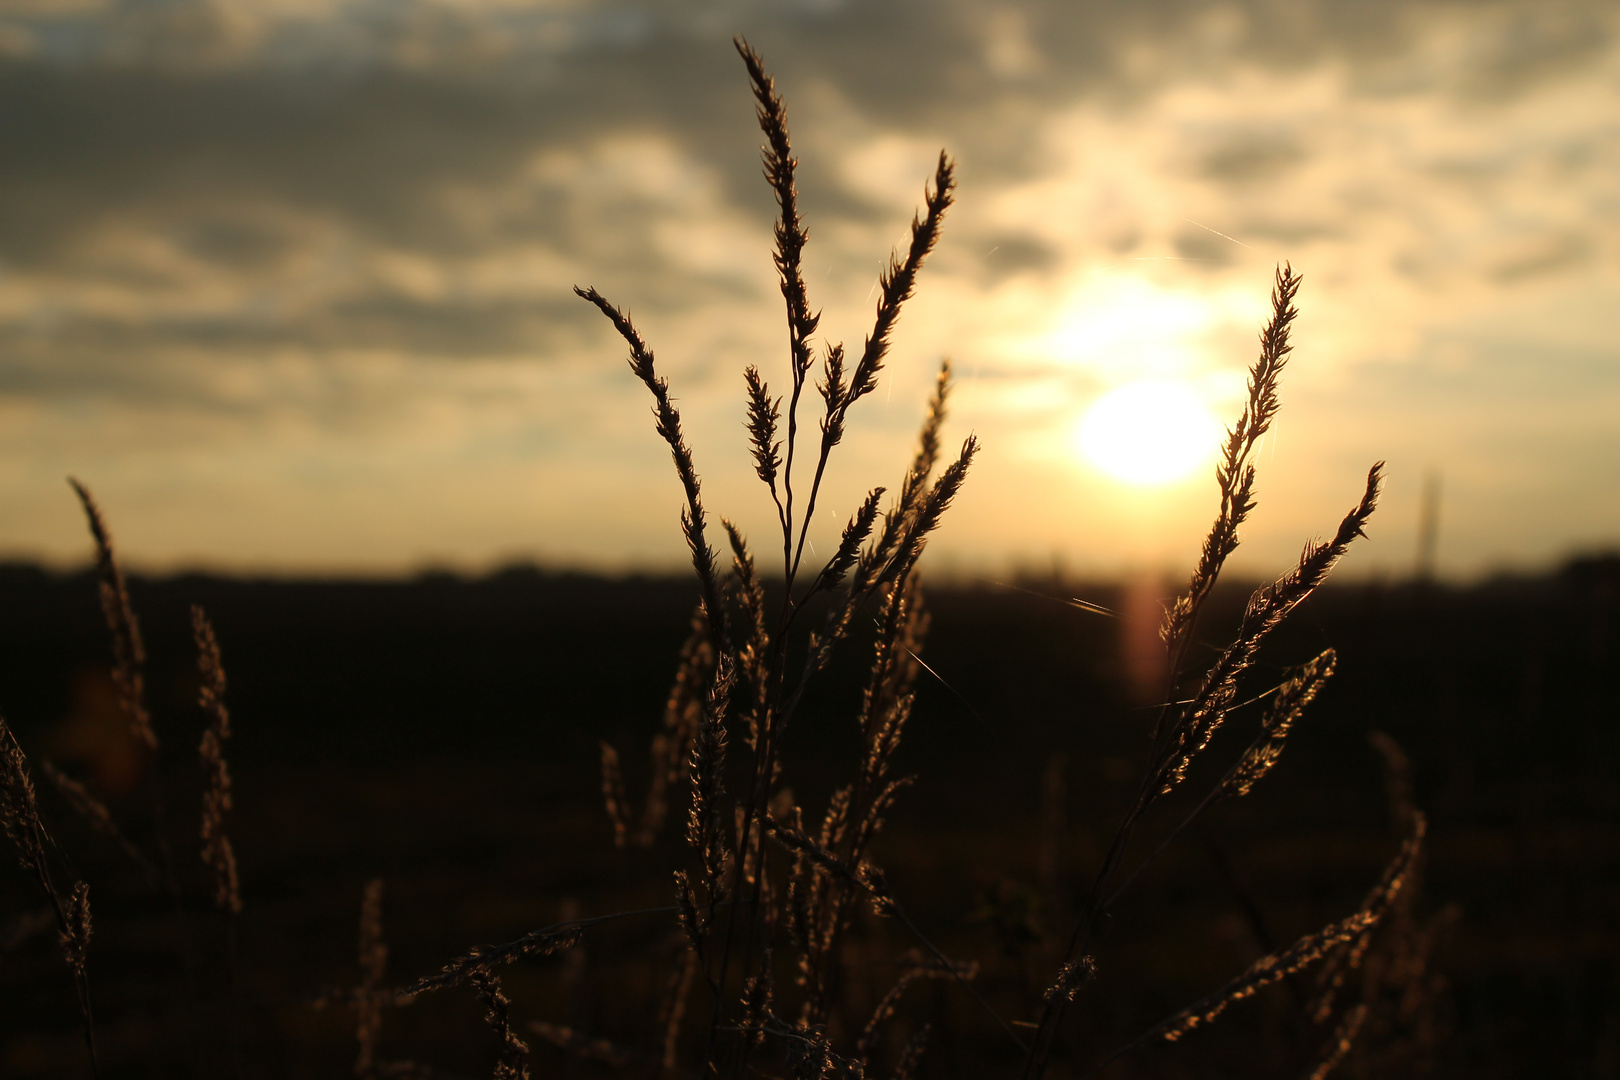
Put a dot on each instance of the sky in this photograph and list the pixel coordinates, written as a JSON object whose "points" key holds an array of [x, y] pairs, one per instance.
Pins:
{"points": [[288, 283]]}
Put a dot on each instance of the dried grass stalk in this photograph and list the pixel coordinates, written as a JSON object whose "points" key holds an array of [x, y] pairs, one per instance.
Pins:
{"points": [[854, 535], [863, 876], [20, 820], [790, 236], [808, 1051], [1235, 474], [705, 830], [753, 647], [1287, 706], [890, 692], [369, 997], [1184, 729], [895, 286], [1380, 899], [1307, 950], [913, 966], [1265, 971], [129, 654], [912, 1054], [513, 1063], [694, 924], [922, 466], [890, 557], [745, 678], [618, 808], [669, 428], [75, 936], [758, 1002], [484, 959], [1070, 978], [1269, 605], [217, 853], [1397, 779], [764, 413], [1344, 1037]]}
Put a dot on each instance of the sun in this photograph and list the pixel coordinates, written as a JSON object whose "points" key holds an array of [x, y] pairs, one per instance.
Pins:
{"points": [[1148, 433]]}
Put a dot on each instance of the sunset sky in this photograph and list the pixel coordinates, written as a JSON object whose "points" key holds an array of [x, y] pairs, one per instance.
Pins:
{"points": [[288, 283]]}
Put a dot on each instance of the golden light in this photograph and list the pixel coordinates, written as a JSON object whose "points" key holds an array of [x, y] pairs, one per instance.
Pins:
{"points": [[1148, 433], [1116, 319]]}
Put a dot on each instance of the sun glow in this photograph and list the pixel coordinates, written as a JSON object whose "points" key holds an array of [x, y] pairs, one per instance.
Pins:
{"points": [[1147, 433]]}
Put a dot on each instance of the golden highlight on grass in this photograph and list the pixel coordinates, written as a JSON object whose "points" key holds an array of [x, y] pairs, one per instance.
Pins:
{"points": [[1287, 705], [1235, 474]]}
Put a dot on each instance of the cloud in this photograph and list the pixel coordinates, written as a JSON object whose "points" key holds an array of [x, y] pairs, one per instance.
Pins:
{"points": [[345, 231]]}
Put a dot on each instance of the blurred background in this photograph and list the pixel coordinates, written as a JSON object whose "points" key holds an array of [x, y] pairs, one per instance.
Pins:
{"points": [[288, 285]]}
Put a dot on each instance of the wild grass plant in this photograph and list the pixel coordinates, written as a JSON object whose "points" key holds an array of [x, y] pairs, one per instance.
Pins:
{"points": [[773, 888], [784, 908]]}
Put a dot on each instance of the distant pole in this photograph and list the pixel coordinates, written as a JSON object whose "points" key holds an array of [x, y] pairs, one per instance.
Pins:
{"points": [[1428, 540]]}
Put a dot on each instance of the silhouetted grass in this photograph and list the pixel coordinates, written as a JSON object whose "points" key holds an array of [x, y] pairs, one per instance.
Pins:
{"points": [[774, 933]]}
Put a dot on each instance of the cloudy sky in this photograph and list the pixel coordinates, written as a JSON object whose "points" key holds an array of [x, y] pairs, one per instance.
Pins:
{"points": [[288, 282]]}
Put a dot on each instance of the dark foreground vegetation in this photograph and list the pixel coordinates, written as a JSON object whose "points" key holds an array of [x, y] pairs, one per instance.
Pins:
{"points": [[442, 734]]}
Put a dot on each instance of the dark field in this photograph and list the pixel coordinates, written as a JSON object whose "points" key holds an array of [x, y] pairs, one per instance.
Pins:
{"points": [[442, 734]]}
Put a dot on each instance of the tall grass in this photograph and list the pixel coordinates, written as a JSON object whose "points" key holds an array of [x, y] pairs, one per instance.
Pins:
{"points": [[771, 890], [772, 887]]}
